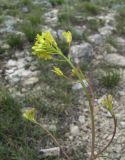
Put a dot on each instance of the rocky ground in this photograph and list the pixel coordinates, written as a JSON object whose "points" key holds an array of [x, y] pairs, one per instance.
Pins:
{"points": [[98, 46]]}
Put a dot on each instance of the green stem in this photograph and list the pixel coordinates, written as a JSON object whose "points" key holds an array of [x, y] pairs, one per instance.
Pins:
{"points": [[85, 90], [93, 131]]}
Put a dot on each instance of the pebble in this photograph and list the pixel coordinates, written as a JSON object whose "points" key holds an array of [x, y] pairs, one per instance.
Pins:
{"points": [[74, 130], [81, 119], [30, 81]]}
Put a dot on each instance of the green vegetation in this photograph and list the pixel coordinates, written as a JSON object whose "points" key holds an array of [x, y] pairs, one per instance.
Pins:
{"points": [[63, 46], [56, 2], [112, 40], [94, 24], [1, 19], [66, 18], [29, 30], [120, 19], [15, 41], [88, 8], [111, 78], [35, 19], [16, 135], [26, 2]]}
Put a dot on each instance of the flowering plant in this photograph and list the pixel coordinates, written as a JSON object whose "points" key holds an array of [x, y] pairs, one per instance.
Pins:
{"points": [[46, 48]]}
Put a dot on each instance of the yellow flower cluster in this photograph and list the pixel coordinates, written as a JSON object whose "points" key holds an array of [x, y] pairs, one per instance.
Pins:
{"points": [[108, 102], [30, 114], [67, 36], [58, 71], [45, 46]]}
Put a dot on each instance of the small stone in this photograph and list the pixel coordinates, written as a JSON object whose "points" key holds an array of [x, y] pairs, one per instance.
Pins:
{"points": [[5, 47], [97, 39], [30, 81], [83, 50], [74, 130], [19, 54], [115, 59], [11, 63], [29, 59], [50, 152], [122, 124], [51, 17], [26, 73], [77, 86], [33, 68], [71, 138], [79, 29], [121, 93], [106, 30], [9, 71], [21, 63], [108, 115], [23, 90], [53, 128], [14, 80], [82, 119], [25, 9]]}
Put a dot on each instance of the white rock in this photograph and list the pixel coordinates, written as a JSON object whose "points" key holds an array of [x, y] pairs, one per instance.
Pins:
{"points": [[122, 124], [11, 63], [106, 30], [19, 54], [5, 46], [26, 73], [18, 72], [79, 29], [51, 17], [29, 59], [53, 128], [83, 50], [21, 63], [77, 86], [120, 41], [30, 81], [97, 39], [115, 59], [14, 80], [74, 130], [50, 152], [9, 71], [33, 68], [82, 119]]}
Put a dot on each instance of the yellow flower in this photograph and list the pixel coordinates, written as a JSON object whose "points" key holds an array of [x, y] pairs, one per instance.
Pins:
{"points": [[74, 71], [48, 37], [108, 102], [68, 36], [45, 46], [58, 71], [30, 114]]}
